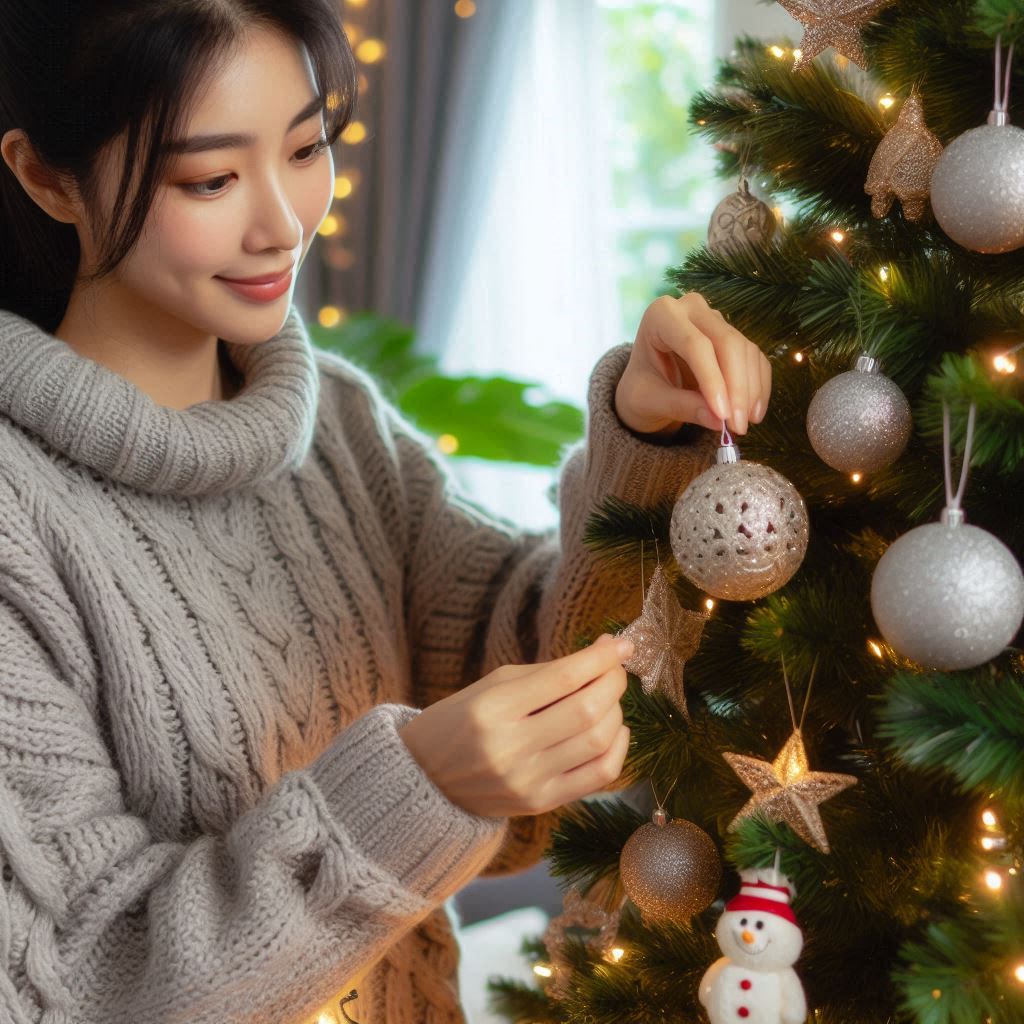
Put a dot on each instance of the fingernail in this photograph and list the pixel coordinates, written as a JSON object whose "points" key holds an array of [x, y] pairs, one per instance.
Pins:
{"points": [[758, 411], [706, 418], [739, 417], [626, 648], [721, 406]]}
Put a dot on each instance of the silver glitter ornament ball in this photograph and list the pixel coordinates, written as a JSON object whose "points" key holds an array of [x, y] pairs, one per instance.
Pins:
{"points": [[671, 870], [740, 530], [977, 189], [859, 421], [948, 596]]}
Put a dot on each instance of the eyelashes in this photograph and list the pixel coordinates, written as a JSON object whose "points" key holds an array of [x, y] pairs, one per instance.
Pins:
{"points": [[216, 185]]}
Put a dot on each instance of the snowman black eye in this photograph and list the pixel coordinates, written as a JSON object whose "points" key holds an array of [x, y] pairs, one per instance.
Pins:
{"points": [[760, 924], [743, 923]]}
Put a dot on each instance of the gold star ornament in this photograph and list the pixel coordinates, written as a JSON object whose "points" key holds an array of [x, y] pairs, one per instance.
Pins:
{"points": [[835, 23], [786, 790], [665, 637]]}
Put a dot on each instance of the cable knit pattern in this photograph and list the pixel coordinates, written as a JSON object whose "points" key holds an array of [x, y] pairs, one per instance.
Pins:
{"points": [[213, 623]]}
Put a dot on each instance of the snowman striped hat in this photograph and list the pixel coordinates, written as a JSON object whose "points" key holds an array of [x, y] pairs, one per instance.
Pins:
{"points": [[760, 897]]}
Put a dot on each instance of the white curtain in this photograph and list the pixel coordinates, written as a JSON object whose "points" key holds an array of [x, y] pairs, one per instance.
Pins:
{"points": [[520, 276], [531, 294]]}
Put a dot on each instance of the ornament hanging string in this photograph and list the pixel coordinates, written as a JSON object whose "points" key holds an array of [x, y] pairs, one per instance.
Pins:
{"points": [[1002, 99], [798, 727], [657, 556], [953, 500], [667, 795]]}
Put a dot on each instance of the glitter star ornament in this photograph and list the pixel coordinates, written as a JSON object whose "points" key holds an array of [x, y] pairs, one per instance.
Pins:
{"points": [[578, 912], [786, 790], [665, 636], [836, 23]]}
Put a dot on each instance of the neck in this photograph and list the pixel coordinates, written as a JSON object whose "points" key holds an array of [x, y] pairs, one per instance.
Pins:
{"points": [[173, 363]]}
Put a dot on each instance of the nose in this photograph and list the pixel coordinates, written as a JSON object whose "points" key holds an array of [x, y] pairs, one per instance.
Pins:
{"points": [[747, 937]]}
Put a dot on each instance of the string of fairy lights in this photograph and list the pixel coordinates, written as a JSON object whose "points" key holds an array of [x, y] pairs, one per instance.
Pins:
{"points": [[370, 53]]}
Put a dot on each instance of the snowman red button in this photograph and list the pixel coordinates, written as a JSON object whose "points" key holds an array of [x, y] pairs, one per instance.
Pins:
{"points": [[743, 1011], [745, 984]]}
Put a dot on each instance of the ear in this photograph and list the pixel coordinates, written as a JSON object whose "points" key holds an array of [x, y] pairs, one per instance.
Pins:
{"points": [[41, 183]]}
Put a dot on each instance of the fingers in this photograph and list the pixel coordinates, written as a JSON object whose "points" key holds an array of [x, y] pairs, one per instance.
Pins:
{"points": [[584, 744], [687, 339], [556, 680], [677, 404], [580, 710], [599, 773], [766, 383], [743, 364], [756, 409]]}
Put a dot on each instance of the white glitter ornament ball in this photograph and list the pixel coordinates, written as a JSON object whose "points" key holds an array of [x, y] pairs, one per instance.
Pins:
{"points": [[948, 595], [740, 530], [859, 421], [977, 188]]}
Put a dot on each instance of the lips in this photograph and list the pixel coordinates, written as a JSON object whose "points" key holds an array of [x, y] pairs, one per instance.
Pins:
{"points": [[263, 279]]}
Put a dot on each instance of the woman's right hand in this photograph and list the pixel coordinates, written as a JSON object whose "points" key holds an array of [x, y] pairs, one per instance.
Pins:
{"points": [[528, 738]]}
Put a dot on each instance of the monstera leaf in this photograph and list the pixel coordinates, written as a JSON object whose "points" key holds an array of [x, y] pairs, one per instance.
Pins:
{"points": [[494, 418]]}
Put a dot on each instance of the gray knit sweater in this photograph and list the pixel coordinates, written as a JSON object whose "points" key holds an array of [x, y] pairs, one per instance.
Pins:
{"points": [[212, 623]]}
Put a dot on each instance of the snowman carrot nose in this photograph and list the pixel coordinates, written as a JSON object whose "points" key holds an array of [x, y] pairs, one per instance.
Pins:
{"points": [[747, 937]]}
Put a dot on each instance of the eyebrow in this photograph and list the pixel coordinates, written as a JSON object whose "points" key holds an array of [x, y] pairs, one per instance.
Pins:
{"points": [[202, 143]]}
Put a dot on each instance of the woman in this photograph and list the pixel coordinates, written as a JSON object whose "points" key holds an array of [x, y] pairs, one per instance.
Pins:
{"points": [[272, 689]]}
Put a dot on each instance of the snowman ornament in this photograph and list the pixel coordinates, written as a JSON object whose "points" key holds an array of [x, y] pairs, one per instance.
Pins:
{"points": [[754, 982]]}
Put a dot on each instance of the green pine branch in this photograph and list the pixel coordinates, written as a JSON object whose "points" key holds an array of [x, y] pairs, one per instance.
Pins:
{"points": [[969, 725]]}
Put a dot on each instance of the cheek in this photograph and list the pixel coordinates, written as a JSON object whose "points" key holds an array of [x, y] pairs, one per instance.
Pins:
{"points": [[186, 237]]}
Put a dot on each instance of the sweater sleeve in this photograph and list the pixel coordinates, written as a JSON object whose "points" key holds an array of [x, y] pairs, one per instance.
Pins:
{"points": [[482, 593], [103, 923]]}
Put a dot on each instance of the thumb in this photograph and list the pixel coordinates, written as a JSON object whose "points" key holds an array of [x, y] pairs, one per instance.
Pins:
{"points": [[680, 404]]}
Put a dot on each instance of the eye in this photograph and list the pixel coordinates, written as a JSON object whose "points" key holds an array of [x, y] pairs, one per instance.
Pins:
{"points": [[743, 923], [760, 925], [216, 185]]}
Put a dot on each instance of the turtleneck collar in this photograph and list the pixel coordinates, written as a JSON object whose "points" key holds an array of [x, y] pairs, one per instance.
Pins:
{"points": [[98, 418]]}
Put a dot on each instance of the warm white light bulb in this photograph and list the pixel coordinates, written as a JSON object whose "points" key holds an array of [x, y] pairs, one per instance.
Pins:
{"points": [[1004, 363], [838, 236], [709, 604], [1018, 973], [542, 969], [994, 880], [988, 819], [856, 477]]}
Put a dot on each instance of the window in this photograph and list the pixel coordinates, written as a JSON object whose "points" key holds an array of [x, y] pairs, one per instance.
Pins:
{"points": [[599, 185]]}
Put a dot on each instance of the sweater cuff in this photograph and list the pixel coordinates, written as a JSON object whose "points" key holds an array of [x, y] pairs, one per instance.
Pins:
{"points": [[385, 804], [641, 468]]}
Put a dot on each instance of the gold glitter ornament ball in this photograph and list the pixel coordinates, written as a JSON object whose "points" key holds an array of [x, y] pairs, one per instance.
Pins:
{"points": [[740, 530], [671, 870]]}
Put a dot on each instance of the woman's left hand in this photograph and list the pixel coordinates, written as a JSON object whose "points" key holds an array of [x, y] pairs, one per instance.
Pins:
{"points": [[688, 365]]}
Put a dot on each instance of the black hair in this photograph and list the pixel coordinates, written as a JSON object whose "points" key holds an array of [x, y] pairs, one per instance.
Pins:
{"points": [[76, 74]]}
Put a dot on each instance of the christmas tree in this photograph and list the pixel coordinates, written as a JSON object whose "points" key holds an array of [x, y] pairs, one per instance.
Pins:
{"points": [[845, 756]]}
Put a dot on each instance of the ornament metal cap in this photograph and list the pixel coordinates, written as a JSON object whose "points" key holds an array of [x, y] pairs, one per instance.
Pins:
{"points": [[867, 364], [727, 453], [952, 516]]}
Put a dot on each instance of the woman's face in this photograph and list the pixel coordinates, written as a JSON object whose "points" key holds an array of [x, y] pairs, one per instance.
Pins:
{"points": [[241, 211]]}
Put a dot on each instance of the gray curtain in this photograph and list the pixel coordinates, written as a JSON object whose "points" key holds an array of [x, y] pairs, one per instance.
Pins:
{"points": [[427, 130]]}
